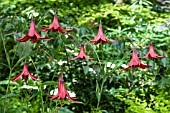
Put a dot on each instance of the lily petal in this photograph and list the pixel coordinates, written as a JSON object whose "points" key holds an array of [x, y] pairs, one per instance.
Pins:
{"points": [[54, 97], [33, 77], [24, 39], [17, 77]]}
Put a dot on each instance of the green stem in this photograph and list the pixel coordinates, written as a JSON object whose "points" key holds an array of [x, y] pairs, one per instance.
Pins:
{"points": [[103, 81], [101, 90], [97, 56], [42, 100], [61, 105], [26, 99], [9, 65], [5, 101], [43, 17], [6, 53]]}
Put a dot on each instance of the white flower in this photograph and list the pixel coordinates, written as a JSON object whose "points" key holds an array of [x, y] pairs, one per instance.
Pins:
{"points": [[29, 87], [124, 65], [113, 66], [75, 54], [70, 51], [91, 70], [66, 35], [109, 64], [61, 62]]}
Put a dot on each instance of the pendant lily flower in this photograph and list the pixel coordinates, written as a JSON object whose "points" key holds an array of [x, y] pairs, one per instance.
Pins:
{"points": [[25, 73], [151, 53], [62, 92], [54, 26], [82, 55], [32, 34], [135, 62], [100, 38]]}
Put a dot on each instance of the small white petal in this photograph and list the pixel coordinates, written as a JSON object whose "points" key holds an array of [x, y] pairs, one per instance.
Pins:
{"points": [[60, 63], [124, 65], [113, 66], [66, 35], [29, 87], [75, 54], [54, 92], [70, 51], [108, 64], [84, 63], [91, 69], [72, 94]]}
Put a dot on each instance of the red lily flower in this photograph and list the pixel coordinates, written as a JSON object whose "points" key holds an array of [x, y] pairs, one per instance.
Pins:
{"points": [[54, 26], [151, 53], [62, 92], [82, 55], [135, 62], [25, 73], [32, 34], [100, 38]]}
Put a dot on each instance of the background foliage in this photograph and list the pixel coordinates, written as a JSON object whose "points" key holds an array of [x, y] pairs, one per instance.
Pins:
{"points": [[133, 23]]}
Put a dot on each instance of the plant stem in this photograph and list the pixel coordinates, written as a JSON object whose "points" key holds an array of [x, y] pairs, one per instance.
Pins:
{"points": [[103, 80], [6, 54], [101, 90], [5, 101], [9, 65], [42, 100]]}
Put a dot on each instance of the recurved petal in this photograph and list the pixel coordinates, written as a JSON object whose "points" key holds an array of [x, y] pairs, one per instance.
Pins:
{"points": [[17, 77], [74, 58], [160, 56], [45, 29], [91, 58], [54, 97], [143, 56], [33, 77], [143, 66], [24, 39], [113, 41], [127, 68], [94, 41], [70, 98], [45, 38]]}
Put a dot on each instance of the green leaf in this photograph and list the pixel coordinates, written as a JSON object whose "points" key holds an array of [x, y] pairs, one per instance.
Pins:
{"points": [[24, 49], [63, 110], [10, 95], [97, 90], [36, 94], [164, 61], [86, 69], [49, 83], [21, 59], [5, 82]]}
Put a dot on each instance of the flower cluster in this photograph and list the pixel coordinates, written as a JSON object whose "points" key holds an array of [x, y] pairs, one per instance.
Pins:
{"points": [[33, 35], [135, 62]]}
